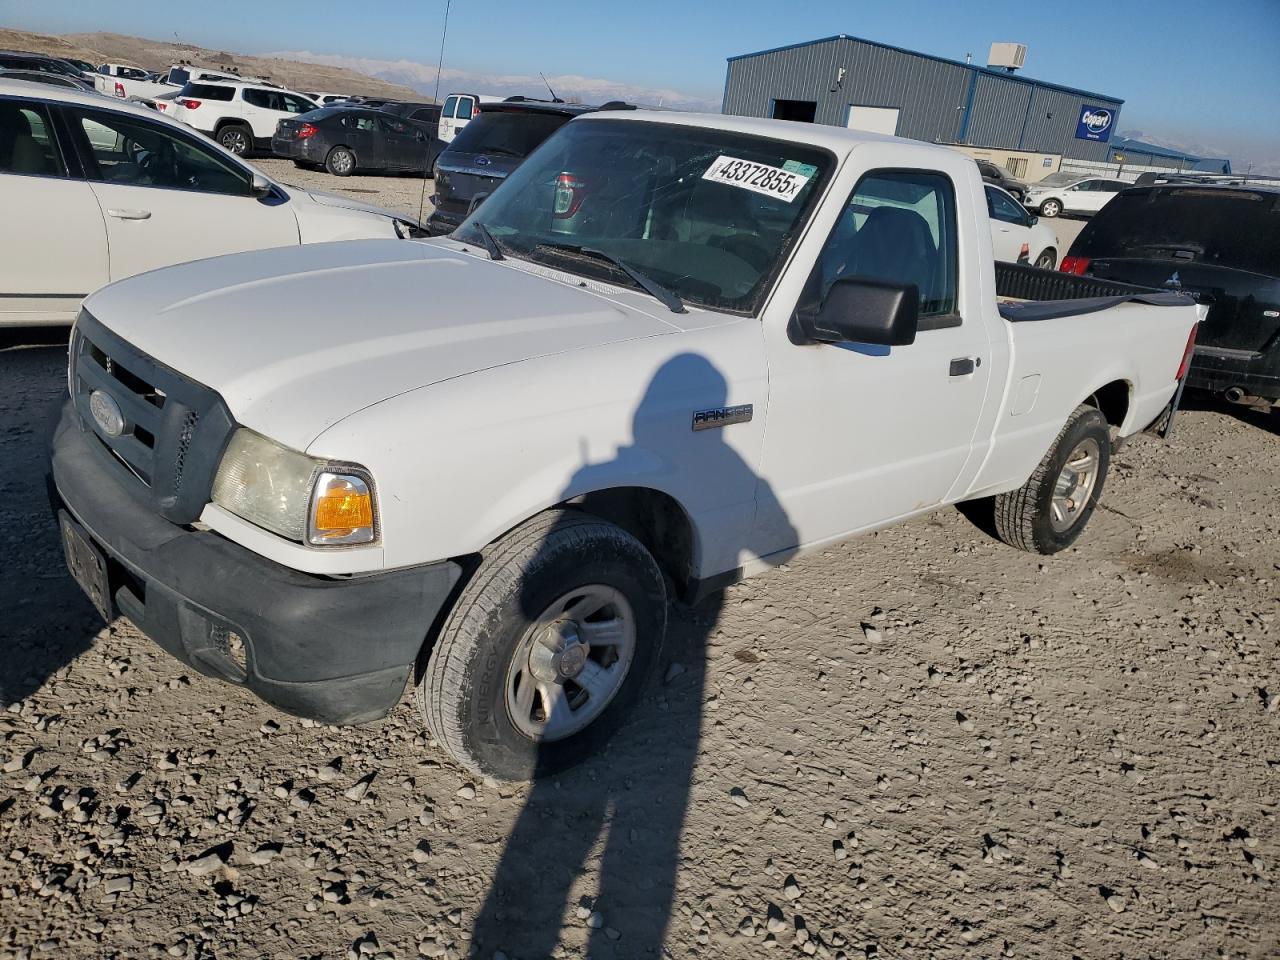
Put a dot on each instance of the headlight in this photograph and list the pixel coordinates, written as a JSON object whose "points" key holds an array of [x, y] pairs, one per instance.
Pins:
{"points": [[298, 497]]}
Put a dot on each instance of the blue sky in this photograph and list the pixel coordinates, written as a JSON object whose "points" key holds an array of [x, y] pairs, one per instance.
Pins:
{"points": [[1193, 73]]}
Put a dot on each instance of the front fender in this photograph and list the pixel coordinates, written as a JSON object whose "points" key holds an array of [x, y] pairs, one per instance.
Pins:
{"points": [[459, 463]]}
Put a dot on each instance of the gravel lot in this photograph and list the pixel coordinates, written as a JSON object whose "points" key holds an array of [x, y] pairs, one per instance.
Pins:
{"points": [[918, 744], [400, 192]]}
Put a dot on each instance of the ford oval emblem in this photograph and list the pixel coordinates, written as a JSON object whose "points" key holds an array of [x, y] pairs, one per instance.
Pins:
{"points": [[106, 413], [482, 161]]}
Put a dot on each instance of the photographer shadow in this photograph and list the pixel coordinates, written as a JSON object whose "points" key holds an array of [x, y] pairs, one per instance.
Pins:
{"points": [[629, 802]]}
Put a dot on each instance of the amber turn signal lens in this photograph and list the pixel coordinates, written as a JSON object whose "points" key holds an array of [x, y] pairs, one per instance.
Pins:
{"points": [[342, 511]]}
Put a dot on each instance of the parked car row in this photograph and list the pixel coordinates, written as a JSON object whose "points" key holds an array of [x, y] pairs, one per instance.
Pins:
{"points": [[103, 189]]}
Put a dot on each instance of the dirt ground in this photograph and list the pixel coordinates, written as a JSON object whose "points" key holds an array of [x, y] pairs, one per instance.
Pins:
{"points": [[921, 743]]}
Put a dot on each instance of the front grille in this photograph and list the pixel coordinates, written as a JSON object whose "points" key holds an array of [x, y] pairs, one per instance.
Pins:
{"points": [[173, 429]]}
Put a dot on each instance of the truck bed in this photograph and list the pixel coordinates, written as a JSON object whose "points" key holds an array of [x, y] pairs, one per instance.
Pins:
{"points": [[1026, 294]]}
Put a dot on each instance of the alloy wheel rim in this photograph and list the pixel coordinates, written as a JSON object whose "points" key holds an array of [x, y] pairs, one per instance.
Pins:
{"points": [[570, 663], [234, 141], [342, 161], [1073, 490]]}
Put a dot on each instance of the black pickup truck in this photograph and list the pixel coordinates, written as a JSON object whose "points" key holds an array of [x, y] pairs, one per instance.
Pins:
{"points": [[1219, 243]]}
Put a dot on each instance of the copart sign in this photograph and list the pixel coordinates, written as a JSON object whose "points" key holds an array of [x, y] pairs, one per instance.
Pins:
{"points": [[1095, 123]]}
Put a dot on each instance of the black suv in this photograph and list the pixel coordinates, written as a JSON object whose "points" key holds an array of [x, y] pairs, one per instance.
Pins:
{"points": [[998, 176], [1219, 243], [490, 147]]}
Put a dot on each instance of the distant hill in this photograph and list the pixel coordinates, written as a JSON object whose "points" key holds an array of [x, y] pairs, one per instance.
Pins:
{"points": [[158, 54]]}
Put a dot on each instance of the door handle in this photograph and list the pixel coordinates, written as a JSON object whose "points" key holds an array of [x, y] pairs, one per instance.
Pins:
{"points": [[128, 214], [963, 366]]}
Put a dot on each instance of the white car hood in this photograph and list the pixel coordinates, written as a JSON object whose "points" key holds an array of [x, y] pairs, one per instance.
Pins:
{"points": [[297, 338], [349, 203]]}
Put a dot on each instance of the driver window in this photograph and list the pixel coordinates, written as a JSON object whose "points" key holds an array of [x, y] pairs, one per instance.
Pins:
{"points": [[899, 226], [136, 153]]}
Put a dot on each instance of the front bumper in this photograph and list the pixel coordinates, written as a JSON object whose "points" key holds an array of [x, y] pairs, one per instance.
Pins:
{"points": [[335, 650], [442, 222]]}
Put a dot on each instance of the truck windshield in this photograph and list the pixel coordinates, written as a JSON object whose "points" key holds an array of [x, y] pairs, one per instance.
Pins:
{"points": [[708, 214], [1238, 229]]}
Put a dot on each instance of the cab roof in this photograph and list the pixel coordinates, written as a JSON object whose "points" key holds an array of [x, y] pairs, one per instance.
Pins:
{"points": [[838, 140]]}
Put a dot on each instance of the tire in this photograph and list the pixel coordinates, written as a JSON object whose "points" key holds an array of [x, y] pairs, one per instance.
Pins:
{"points": [[1051, 208], [341, 162], [236, 138], [470, 690], [1025, 518], [1048, 259]]}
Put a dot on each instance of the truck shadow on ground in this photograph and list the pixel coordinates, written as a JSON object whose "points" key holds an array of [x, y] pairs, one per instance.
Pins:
{"points": [[633, 797], [46, 621]]}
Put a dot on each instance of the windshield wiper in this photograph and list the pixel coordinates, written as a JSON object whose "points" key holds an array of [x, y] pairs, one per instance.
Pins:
{"points": [[666, 296], [490, 244]]}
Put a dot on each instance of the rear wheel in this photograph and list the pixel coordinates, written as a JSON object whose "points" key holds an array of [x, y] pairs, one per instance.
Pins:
{"points": [[1050, 208], [547, 648], [1048, 512], [341, 162], [1048, 259], [236, 137]]}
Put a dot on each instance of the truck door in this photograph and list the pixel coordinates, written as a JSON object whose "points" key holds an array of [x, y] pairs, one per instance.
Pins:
{"points": [[446, 118], [858, 435]]}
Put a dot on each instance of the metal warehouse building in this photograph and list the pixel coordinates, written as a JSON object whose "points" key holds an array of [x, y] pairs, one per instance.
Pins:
{"points": [[846, 81]]}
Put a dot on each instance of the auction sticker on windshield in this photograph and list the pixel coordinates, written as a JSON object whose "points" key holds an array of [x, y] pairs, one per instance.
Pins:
{"points": [[757, 177]]}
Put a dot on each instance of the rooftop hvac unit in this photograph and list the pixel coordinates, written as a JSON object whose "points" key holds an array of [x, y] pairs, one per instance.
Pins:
{"points": [[1010, 56]]}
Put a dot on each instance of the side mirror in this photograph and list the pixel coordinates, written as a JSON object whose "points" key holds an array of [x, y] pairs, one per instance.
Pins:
{"points": [[261, 187], [1032, 220], [862, 310], [478, 199]]}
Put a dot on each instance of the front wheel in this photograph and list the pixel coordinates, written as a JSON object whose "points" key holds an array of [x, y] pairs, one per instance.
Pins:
{"points": [[1048, 259], [1051, 208], [1048, 512], [546, 649]]}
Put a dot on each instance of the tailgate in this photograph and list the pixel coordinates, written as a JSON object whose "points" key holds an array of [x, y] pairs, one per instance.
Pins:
{"points": [[1244, 308]]}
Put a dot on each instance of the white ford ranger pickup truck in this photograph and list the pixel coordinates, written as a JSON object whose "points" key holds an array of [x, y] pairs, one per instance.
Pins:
{"points": [[668, 352]]}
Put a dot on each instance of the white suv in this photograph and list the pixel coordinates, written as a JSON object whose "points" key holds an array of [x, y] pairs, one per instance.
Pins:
{"points": [[1061, 193], [240, 115]]}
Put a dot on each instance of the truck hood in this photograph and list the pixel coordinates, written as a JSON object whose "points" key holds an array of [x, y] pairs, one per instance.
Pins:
{"points": [[297, 338]]}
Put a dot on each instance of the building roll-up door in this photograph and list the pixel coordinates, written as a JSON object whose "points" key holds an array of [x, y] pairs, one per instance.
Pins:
{"points": [[873, 119]]}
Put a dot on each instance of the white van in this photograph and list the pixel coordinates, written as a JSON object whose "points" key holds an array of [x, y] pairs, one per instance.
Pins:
{"points": [[457, 112]]}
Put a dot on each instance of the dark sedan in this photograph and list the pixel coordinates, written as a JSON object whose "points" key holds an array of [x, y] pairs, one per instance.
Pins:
{"points": [[490, 147], [345, 140]]}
